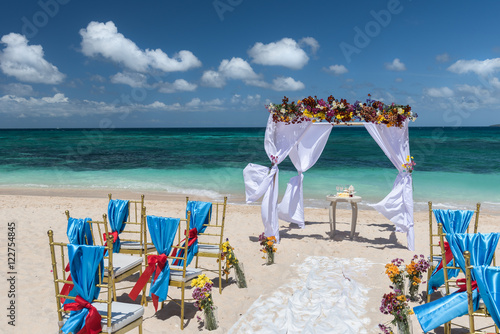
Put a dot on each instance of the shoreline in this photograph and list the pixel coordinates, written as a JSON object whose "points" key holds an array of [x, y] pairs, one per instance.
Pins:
{"points": [[169, 196]]}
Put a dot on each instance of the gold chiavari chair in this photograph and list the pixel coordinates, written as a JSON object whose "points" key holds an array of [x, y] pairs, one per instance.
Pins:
{"points": [[116, 317], [482, 311], [181, 275], [124, 265], [134, 237], [210, 241], [434, 247]]}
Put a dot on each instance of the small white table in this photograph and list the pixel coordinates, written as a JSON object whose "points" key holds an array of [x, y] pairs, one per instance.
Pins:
{"points": [[333, 206]]}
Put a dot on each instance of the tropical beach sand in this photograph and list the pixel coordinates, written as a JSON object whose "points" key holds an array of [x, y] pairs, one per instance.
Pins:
{"points": [[330, 285]]}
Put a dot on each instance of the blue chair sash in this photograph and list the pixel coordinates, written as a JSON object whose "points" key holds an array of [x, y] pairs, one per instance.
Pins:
{"points": [[488, 283], [453, 221], [79, 232], [117, 215], [201, 213], [84, 263], [481, 247], [162, 232]]}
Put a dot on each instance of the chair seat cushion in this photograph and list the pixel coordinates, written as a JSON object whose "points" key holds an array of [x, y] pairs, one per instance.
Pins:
{"points": [[212, 249], [176, 273], [123, 314], [122, 263], [134, 245]]}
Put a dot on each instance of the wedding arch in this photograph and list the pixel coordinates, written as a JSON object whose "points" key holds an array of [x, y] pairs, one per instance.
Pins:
{"points": [[300, 130]]}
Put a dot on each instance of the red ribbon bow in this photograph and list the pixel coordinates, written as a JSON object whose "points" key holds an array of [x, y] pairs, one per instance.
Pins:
{"points": [[114, 234], [93, 319], [192, 237], [448, 255], [154, 262], [462, 285]]}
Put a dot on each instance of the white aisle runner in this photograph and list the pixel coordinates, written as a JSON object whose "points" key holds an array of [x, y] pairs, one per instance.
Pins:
{"points": [[325, 297]]}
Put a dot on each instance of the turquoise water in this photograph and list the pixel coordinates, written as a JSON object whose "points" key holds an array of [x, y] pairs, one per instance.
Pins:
{"points": [[456, 167]]}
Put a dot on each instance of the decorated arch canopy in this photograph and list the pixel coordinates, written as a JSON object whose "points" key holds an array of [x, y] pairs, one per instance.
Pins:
{"points": [[300, 130]]}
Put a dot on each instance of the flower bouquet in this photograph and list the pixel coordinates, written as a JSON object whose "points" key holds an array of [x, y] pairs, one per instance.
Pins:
{"points": [[232, 262], [414, 272], [409, 165], [268, 248], [396, 304], [204, 302], [395, 271]]}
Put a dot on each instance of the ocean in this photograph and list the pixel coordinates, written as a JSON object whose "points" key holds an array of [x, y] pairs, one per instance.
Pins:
{"points": [[456, 167]]}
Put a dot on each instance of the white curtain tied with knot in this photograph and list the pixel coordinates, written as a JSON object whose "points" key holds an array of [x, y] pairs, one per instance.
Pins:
{"points": [[260, 181], [398, 205], [303, 155]]}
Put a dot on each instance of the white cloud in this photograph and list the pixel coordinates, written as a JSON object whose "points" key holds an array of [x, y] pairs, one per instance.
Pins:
{"points": [[238, 69], [311, 42], [398, 80], [439, 92], [285, 52], [179, 85], [234, 69], [213, 79], [396, 65], [480, 67], [249, 100], [133, 79], [162, 106], [197, 103], [443, 58], [282, 84], [57, 98], [336, 69], [105, 40], [17, 89], [26, 62]]}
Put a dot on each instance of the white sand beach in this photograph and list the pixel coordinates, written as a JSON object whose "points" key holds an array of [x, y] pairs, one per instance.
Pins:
{"points": [[317, 285]]}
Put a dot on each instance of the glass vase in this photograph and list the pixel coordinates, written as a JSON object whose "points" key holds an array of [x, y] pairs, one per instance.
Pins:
{"points": [[400, 285], [270, 258], [210, 322], [404, 326], [413, 291], [239, 274]]}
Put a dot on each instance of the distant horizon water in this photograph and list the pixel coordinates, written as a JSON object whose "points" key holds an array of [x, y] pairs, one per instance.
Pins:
{"points": [[456, 167]]}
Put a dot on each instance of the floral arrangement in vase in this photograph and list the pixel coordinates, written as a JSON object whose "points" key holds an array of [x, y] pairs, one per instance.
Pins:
{"points": [[232, 262], [268, 247], [204, 302], [395, 303], [414, 272], [395, 271], [340, 111]]}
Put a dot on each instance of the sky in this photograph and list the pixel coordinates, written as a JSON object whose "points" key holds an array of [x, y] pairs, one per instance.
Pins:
{"points": [[218, 63]]}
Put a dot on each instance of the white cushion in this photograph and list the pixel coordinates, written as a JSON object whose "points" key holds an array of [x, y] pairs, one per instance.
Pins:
{"points": [[134, 245], [122, 263], [176, 273], [213, 249], [122, 315]]}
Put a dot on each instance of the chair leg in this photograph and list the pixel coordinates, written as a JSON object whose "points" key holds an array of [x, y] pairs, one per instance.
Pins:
{"points": [[196, 261], [182, 307], [220, 276], [114, 290], [429, 273], [140, 329]]}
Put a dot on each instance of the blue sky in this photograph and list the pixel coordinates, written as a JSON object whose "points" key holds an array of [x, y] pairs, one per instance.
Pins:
{"points": [[186, 63]]}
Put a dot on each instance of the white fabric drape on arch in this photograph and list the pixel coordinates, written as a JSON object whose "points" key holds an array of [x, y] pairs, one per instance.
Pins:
{"points": [[397, 206], [280, 138], [303, 155]]}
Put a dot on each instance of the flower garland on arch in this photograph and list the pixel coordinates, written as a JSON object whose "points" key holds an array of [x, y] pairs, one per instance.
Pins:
{"points": [[335, 111]]}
